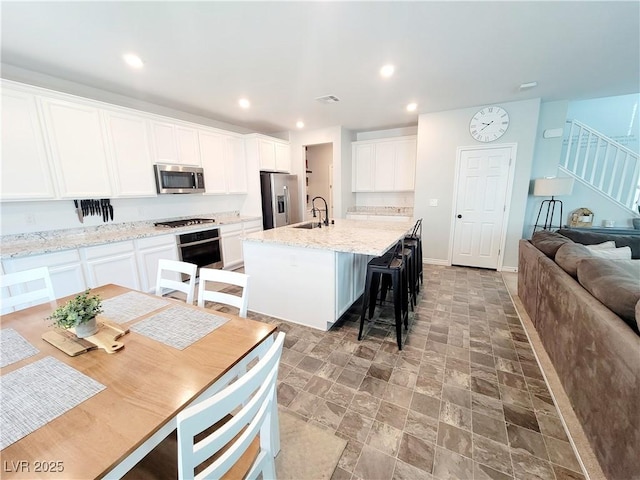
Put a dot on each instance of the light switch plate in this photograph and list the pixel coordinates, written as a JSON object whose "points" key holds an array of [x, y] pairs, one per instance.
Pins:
{"points": [[433, 202]]}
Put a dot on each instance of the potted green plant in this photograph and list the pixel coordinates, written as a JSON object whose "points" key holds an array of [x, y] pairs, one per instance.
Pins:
{"points": [[79, 312]]}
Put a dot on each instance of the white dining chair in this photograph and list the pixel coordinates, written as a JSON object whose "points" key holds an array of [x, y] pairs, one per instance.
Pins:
{"points": [[167, 267], [21, 295], [251, 400], [225, 277]]}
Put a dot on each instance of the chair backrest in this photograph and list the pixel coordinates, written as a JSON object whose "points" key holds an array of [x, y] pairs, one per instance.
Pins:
{"points": [[251, 400], [417, 229], [224, 276], [15, 283], [177, 267]]}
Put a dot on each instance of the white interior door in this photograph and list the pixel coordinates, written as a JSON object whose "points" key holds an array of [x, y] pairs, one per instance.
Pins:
{"points": [[480, 207]]}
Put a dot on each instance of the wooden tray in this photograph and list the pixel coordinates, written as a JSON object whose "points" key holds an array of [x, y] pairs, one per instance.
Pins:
{"points": [[105, 338]]}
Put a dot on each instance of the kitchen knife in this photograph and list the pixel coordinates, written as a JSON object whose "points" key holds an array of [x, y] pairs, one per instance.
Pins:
{"points": [[105, 210], [110, 208], [78, 212]]}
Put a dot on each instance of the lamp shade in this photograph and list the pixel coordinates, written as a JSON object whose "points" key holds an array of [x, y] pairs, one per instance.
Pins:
{"points": [[552, 187]]}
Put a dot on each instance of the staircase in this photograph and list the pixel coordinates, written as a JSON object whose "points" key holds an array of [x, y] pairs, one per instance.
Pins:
{"points": [[602, 164]]}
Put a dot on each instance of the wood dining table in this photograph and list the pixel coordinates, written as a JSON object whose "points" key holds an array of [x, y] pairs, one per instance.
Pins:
{"points": [[147, 384]]}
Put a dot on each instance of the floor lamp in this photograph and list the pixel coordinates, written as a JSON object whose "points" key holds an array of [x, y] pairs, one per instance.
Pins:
{"points": [[551, 187]]}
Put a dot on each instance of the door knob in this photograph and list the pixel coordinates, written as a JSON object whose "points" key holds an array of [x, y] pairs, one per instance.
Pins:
{"points": [[459, 216]]}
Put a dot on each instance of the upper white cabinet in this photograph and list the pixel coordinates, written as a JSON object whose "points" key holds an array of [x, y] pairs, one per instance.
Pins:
{"points": [[273, 154], [77, 147], [174, 143], [128, 140], [386, 165], [25, 167], [223, 161]]}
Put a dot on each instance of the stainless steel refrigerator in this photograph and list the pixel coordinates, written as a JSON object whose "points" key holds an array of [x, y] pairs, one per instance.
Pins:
{"points": [[280, 200]]}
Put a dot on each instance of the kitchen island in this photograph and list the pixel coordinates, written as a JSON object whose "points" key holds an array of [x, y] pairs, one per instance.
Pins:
{"points": [[312, 276]]}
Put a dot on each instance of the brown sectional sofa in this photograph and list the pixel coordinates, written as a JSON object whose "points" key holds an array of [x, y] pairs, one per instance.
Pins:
{"points": [[594, 351]]}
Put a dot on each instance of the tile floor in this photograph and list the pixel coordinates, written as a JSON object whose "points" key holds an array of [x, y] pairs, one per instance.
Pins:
{"points": [[464, 399]]}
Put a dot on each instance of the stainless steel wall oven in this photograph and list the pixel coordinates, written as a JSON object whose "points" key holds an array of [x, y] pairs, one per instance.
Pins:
{"points": [[201, 248]]}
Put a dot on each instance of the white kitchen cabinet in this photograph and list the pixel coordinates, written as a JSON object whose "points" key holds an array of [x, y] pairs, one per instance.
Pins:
{"points": [[65, 270], [25, 166], [231, 241], [386, 165], [75, 135], [224, 162], [273, 155], [174, 143], [149, 251], [128, 140], [111, 263]]}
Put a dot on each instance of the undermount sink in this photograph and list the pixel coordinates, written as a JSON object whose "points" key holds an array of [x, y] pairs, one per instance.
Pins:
{"points": [[307, 225]]}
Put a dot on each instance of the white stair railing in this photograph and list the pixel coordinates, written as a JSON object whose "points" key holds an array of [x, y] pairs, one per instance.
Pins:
{"points": [[603, 164]]}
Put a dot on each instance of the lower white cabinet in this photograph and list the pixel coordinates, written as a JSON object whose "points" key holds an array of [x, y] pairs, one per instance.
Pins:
{"points": [[65, 269], [351, 271], [231, 240], [112, 263], [149, 251]]}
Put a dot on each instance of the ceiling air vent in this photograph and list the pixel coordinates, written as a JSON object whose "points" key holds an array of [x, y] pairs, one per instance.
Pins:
{"points": [[328, 99]]}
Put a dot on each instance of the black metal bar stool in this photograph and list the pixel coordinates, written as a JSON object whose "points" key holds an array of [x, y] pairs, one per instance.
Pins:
{"points": [[414, 241], [390, 264]]}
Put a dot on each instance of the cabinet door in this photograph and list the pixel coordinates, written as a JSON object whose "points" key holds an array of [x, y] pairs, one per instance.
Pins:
{"points": [[113, 263], [212, 154], [232, 249], [384, 169], [363, 158], [74, 131], [25, 167], [65, 270], [283, 157], [149, 252], [187, 141], [236, 165], [267, 153], [163, 140], [405, 160], [130, 154]]}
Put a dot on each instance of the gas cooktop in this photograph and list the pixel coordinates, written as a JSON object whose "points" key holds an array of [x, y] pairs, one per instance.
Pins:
{"points": [[184, 223]]}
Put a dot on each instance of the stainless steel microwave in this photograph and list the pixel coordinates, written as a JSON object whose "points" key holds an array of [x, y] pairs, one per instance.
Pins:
{"points": [[178, 179]]}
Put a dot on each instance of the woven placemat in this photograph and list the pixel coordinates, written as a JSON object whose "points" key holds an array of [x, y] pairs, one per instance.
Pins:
{"points": [[34, 395], [131, 305], [14, 347], [178, 326]]}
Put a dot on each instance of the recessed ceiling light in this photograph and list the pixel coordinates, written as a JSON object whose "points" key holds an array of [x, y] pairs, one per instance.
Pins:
{"points": [[300, 124], [387, 71], [526, 86], [244, 103], [133, 60], [412, 107]]}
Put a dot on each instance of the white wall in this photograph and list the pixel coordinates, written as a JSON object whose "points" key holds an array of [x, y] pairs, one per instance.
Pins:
{"points": [[439, 136]]}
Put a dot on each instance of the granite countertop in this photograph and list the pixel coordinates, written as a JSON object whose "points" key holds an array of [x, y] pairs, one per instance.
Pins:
{"points": [[367, 237], [22, 245]]}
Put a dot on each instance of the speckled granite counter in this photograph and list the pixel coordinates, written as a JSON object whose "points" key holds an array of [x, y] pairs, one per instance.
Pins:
{"points": [[366, 237], [382, 211], [22, 245]]}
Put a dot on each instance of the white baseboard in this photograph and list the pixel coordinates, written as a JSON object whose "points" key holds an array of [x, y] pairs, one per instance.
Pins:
{"points": [[509, 269], [436, 261]]}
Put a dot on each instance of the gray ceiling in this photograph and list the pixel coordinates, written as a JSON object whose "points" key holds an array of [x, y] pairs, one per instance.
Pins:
{"points": [[202, 56]]}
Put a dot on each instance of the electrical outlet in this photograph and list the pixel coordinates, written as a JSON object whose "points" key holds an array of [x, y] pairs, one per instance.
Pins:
{"points": [[433, 202], [30, 219]]}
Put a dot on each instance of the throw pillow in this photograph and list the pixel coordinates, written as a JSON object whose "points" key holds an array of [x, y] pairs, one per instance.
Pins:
{"points": [[569, 255], [549, 242], [589, 238], [622, 253], [615, 284], [600, 246]]}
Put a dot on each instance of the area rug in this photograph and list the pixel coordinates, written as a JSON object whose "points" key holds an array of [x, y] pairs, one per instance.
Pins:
{"points": [[307, 452]]}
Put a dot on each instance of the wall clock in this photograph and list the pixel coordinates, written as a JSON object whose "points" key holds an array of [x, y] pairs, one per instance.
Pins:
{"points": [[489, 124]]}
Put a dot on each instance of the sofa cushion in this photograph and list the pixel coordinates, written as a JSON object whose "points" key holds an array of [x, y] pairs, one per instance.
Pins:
{"points": [[622, 253], [615, 283], [590, 238], [602, 246], [549, 242], [569, 255]]}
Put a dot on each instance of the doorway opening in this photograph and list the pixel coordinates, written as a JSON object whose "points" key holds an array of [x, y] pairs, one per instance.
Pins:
{"points": [[319, 176]]}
